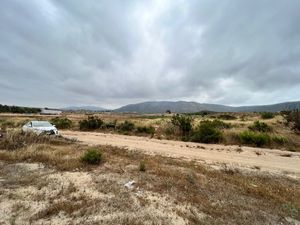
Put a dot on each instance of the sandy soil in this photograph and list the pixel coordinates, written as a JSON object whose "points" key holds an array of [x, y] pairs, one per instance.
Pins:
{"points": [[269, 160]]}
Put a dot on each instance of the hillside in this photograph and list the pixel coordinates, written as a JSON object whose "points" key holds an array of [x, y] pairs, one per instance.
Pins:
{"points": [[183, 106], [84, 108]]}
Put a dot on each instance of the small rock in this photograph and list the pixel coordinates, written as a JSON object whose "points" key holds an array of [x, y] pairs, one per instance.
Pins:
{"points": [[129, 184]]}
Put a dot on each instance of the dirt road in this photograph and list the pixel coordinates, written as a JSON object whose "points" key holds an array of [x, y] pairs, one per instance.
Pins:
{"points": [[271, 160]]}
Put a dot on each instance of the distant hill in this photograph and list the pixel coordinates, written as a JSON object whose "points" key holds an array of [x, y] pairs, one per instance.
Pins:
{"points": [[187, 107], [84, 108]]}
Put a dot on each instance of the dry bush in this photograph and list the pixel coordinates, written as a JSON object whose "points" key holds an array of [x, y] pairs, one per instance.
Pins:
{"points": [[294, 118], [260, 127], [62, 122], [267, 115], [92, 156], [14, 140], [142, 166], [184, 124], [91, 123], [61, 157]]}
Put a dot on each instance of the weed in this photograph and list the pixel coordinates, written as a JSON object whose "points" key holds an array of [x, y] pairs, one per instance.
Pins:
{"points": [[239, 150], [206, 132], [62, 123], [91, 123], [267, 115], [183, 122], [260, 126], [92, 156], [291, 209], [227, 117], [294, 118], [142, 166], [286, 155], [126, 126], [111, 125], [15, 140], [145, 130], [218, 124], [279, 140], [253, 138], [258, 153]]}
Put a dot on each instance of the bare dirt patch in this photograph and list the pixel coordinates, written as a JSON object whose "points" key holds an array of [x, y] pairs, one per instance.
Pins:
{"points": [[269, 160], [47, 183]]}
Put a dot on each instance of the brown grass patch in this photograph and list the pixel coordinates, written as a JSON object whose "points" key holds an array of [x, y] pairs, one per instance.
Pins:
{"points": [[223, 196]]}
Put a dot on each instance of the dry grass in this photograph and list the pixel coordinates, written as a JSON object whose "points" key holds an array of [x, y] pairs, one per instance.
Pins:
{"points": [[168, 191], [161, 123], [185, 191]]}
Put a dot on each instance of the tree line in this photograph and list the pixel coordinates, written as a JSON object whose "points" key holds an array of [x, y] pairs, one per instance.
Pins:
{"points": [[18, 109]]}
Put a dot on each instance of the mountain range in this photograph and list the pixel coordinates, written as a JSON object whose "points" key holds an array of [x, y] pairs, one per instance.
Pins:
{"points": [[84, 108], [188, 107]]}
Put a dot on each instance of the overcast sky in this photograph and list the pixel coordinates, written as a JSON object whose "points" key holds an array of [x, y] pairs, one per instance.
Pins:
{"points": [[59, 53]]}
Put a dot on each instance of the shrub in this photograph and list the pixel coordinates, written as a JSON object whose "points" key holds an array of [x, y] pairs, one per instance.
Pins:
{"points": [[252, 138], [294, 118], [218, 124], [111, 125], [62, 123], [126, 126], [146, 130], [16, 139], [200, 113], [5, 124], [207, 132], [92, 156], [227, 117], [169, 129], [142, 166], [92, 123], [184, 123], [267, 115], [279, 140], [260, 126]]}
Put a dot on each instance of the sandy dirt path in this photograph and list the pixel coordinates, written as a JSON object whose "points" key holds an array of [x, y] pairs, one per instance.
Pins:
{"points": [[271, 160]]}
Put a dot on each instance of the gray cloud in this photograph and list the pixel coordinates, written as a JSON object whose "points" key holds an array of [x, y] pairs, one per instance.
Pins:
{"points": [[109, 53]]}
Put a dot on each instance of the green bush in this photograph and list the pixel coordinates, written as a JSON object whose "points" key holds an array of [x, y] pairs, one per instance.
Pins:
{"points": [[6, 124], [142, 166], [267, 115], [126, 126], [260, 126], [169, 129], [294, 119], [62, 123], [145, 130], [279, 140], [183, 122], [201, 113], [92, 123], [253, 138], [207, 132], [218, 124], [227, 117], [111, 125], [92, 156]]}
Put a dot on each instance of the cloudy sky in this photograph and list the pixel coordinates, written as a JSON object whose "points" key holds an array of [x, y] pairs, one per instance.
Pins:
{"points": [[109, 53]]}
